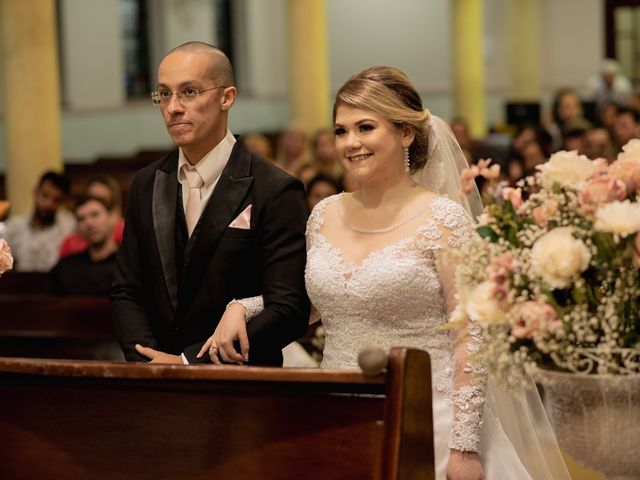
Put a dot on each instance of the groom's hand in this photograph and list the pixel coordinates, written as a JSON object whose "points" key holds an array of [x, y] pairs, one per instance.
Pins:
{"points": [[156, 356], [231, 328]]}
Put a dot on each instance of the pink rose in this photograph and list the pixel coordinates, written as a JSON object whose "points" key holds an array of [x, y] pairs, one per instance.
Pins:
{"points": [[601, 166], [636, 251], [542, 213], [468, 179], [489, 172], [540, 216], [514, 195], [628, 171], [499, 272], [6, 260], [533, 318], [598, 191]]}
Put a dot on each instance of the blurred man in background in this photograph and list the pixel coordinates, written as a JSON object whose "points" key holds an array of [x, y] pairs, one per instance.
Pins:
{"points": [[35, 238]]}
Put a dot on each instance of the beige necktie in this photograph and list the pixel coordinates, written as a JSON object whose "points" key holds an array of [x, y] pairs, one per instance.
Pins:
{"points": [[195, 182]]}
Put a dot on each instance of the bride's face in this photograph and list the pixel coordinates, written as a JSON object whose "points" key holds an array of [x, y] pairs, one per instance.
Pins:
{"points": [[369, 146]]}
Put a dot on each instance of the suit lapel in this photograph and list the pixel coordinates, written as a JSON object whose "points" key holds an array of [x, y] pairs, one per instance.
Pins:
{"points": [[165, 190], [223, 206]]}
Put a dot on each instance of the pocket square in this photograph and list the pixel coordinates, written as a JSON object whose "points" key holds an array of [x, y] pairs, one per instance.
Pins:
{"points": [[243, 220]]}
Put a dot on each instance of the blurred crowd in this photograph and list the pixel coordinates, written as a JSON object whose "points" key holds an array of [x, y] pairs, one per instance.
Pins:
{"points": [[78, 247]]}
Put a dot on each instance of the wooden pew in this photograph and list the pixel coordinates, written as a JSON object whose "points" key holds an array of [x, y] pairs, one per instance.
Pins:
{"points": [[49, 326], [24, 282], [97, 420]]}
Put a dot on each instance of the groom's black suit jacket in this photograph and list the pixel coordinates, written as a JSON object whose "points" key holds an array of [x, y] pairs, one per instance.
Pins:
{"points": [[170, 290]]}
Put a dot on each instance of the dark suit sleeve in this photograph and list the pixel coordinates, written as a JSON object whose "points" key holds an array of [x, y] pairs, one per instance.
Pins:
{"points": [[127, 300], [285, 317], [283, 251]]}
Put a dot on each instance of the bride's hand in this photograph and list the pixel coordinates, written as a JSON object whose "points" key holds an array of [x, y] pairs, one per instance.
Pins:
{"points": [[464, 466], [232, 327]]}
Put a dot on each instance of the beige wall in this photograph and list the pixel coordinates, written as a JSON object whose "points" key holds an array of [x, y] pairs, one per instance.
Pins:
{"points": [[412, 34]]}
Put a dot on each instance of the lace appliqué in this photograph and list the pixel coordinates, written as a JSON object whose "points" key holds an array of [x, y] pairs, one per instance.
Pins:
{"points": [[448, 215], [468, 403]]}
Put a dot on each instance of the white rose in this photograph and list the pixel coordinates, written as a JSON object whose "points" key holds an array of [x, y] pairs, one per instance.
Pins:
{"points": [[565, 168], [482, 305], [631, 151], [557, 257], [622, 218]]}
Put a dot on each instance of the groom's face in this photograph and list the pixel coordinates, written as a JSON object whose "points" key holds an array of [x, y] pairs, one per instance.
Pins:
{"points": [[195, 122]]}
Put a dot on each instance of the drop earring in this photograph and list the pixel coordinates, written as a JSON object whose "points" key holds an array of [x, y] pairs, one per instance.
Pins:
{"points": [[407, 162]]}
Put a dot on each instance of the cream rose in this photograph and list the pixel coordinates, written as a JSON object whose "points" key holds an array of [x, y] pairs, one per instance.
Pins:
{"points": [[565, 168], [6, 260], [557, 257], [631, 150], [621, 218], [482, 305]]}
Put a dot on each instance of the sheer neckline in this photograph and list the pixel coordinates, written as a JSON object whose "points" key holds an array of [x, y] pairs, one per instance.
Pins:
{"points": [[351, 266]]}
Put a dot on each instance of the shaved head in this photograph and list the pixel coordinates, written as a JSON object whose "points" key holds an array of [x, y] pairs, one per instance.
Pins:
{"points": [[219, 69]]}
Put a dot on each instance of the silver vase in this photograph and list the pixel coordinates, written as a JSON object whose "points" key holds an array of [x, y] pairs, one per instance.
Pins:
{"points": [[596, 419]]}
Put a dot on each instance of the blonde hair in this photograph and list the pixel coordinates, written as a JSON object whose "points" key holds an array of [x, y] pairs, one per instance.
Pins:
{"points": [[386, 91]]}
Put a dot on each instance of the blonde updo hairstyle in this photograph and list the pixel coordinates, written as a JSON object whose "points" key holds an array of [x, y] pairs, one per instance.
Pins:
{"points": [[387, 92]]}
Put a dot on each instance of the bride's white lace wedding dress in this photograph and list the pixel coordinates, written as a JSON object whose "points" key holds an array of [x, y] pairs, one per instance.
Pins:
{"points": [[399, 296]]}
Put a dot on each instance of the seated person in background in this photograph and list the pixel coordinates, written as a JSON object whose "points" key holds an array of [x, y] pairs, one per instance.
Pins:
{"points": [[305, 173], [473, 149], [4, 212], [35, 238], [89, 272], [106, 188], [575, 139], [324, 154], [626, 127], [260, 144], [567, 114], [610, 85], [292, 152], [599, 144], [320, 187]]}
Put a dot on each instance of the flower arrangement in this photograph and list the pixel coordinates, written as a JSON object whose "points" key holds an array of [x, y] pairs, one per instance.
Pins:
{"points": [[552, 279], [6, 260]]}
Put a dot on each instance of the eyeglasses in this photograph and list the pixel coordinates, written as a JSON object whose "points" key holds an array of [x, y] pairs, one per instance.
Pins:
{"points": [[187, 95]]}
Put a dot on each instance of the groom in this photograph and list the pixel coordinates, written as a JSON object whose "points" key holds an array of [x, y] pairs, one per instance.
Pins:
{"points": [[208, 223]]}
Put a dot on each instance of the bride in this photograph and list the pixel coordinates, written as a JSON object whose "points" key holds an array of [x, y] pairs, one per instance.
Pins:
{"points": [[377, 274]]}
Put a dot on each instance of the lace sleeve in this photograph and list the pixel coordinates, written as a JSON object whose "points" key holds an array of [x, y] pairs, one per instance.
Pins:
{"points": [[468, 385], [252, 306], [314, 222]]}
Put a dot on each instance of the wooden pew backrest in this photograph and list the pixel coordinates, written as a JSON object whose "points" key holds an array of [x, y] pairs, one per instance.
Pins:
{"points": [[64, 419]]}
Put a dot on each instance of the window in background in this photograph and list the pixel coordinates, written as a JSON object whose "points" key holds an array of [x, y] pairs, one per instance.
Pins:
{"points": [[135, 40], [623, 36], [224, 19]]}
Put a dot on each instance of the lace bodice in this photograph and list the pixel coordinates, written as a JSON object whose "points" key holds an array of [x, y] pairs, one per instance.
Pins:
{"points": [[398, 296]]}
